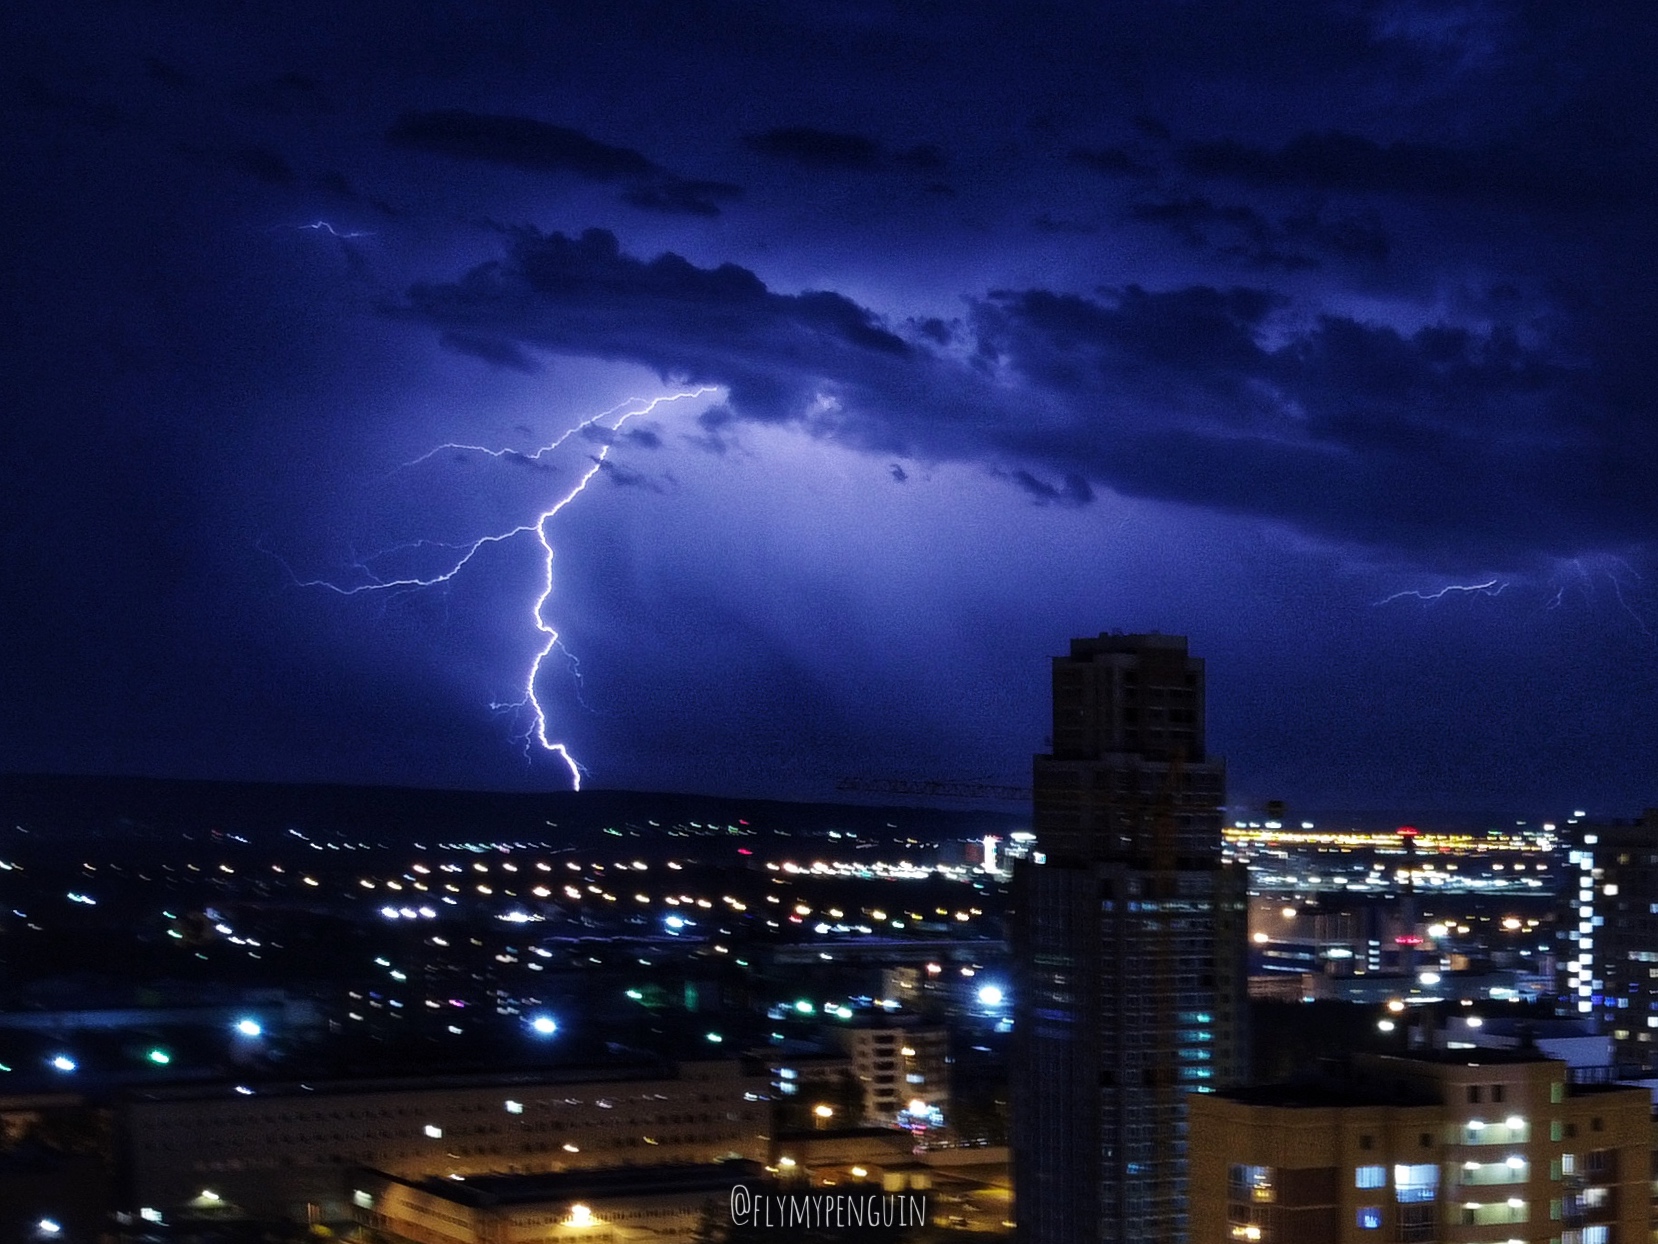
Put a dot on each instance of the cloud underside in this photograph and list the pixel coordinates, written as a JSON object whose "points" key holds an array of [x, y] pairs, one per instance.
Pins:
{"points": [[1445, 442], [533, 146]]}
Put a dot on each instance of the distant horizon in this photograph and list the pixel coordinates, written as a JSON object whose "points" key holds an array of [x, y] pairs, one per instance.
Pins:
{"points": [[1377, 818]]}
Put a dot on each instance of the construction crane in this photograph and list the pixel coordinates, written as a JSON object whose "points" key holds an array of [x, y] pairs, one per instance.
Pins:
{"points": [[934, 789]]}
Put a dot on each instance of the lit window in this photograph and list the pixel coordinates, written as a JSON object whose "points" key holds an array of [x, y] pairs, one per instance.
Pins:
{"points": [[1415, 1183], [1370, 1218], [1251, 1183], [1370, 1177]]}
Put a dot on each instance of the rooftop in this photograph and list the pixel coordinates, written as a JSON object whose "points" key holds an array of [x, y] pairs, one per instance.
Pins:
{"points": [[1327, 1094], [618, 1072], [490, 1191]]}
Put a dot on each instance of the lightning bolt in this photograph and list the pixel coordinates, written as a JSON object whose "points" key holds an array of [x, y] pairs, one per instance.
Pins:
{"points": [[519, 455], [322, 226], [463, 553], [1617, 590], [1492, 588]]}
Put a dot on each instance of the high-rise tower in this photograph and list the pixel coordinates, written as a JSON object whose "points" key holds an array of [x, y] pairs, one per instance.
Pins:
{"points": [[1130, 939]]}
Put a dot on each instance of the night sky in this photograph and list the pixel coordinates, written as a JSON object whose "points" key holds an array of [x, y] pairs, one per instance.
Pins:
{"points": [[1320, 332]]}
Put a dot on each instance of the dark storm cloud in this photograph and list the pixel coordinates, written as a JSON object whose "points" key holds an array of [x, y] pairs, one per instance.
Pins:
{"points": [[493, 350], [1256, 238], [518, 142], [827, 149], [534, 146], [817, 148], [624, 476], [1444, 440], [1073, 490], [1351, 162], [675, 196], [706, 325]]}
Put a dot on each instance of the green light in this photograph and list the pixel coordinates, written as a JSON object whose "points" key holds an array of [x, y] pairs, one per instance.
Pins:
{"points": [[159, 1057], [804, 1007], [636, 995]]}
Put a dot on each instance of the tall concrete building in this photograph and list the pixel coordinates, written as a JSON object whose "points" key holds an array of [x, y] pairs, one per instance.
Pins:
{"points": [[1611, 933], [1130, 940]]}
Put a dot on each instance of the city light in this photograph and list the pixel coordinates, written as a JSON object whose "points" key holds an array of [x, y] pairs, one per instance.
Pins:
{"points": [[159, 1057], [250, 1028], [990, 995], [63, 1062], [580, 1216], [543, 1025]]}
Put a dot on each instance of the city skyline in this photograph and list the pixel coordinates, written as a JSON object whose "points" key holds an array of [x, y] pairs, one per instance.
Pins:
{"points": [[747, 398]]}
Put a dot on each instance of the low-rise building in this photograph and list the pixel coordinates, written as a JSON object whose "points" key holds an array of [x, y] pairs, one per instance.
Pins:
{"points": [[286, 1148], [664, 1205], [1458, 1147], [898, 1060]]}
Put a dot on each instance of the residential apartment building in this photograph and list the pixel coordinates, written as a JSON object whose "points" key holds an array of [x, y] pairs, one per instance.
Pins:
{"points": [[1460, 1147]]}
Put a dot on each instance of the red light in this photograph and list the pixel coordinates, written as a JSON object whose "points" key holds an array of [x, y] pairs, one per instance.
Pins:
{"points": [[1407, 831], [744, 851], [1410, 939]]}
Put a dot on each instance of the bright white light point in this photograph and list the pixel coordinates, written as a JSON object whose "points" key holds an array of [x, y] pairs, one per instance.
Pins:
{"points": [[545, 1025], [434, 1131], [249, 1028], [64, 1063], [49, 1226], [990, 995]]}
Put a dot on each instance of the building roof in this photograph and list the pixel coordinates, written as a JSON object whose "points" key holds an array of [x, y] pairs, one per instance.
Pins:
{"points": [[1327, 1094], [605, 1183], [617, 1072], [1478, 1056]]}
